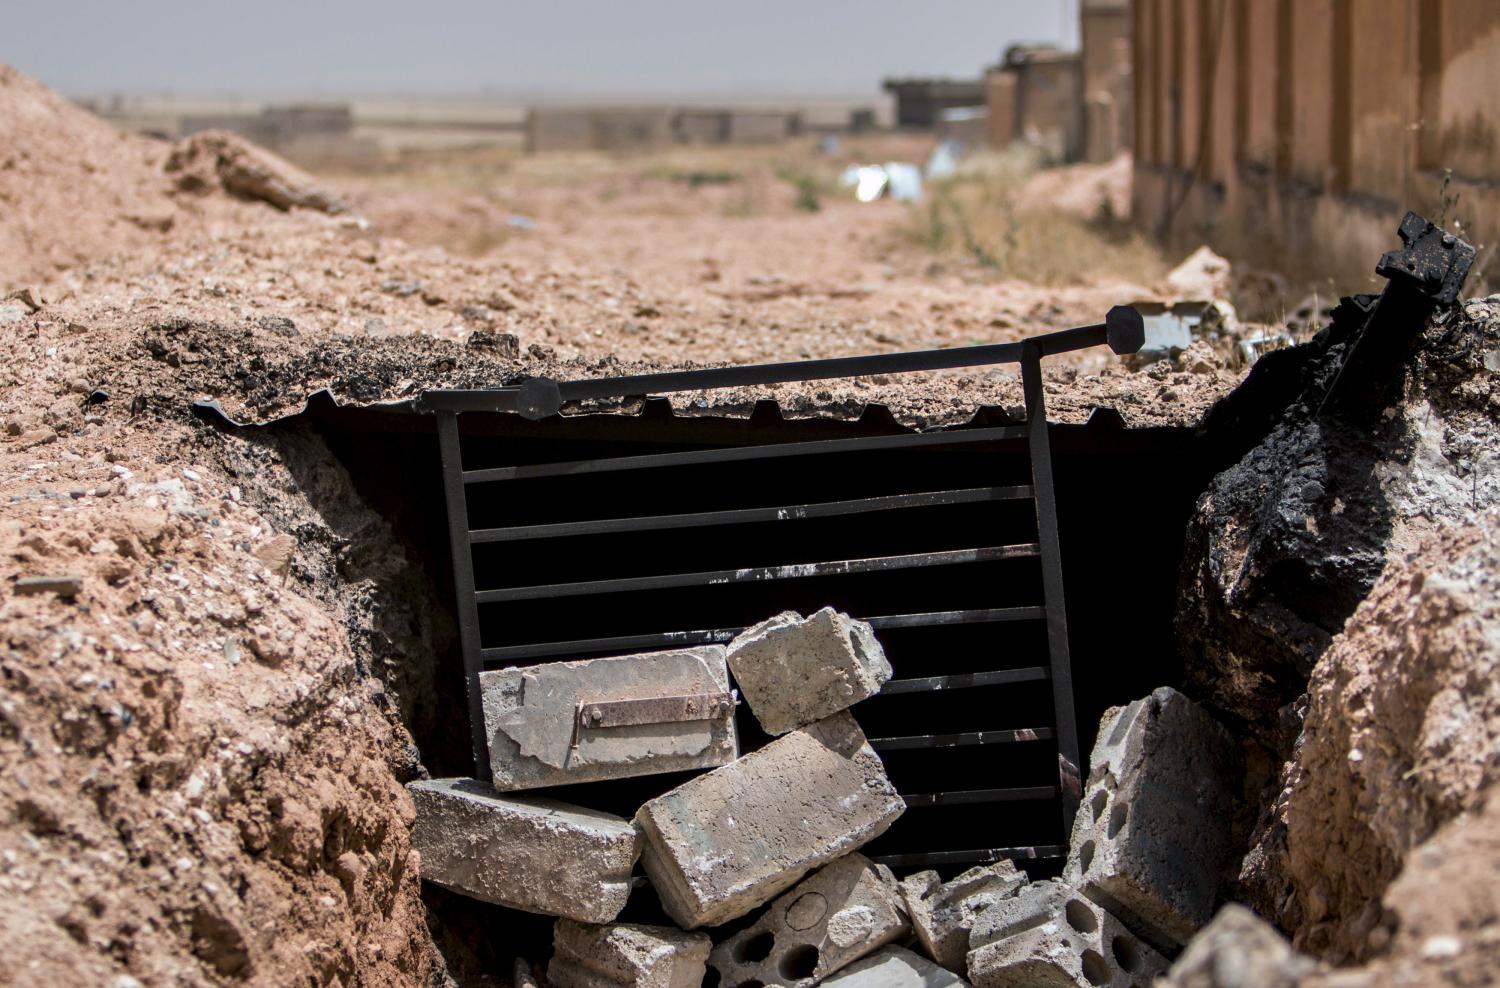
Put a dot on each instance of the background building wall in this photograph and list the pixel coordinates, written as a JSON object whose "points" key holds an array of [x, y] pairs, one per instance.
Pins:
{"points": [[1104, 31], [1295, 133]]}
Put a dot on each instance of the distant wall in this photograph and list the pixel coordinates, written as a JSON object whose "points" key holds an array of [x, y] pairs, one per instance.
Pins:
{"points": [[1295, 133], [598, 129], [919, 102], [1105, 62]]}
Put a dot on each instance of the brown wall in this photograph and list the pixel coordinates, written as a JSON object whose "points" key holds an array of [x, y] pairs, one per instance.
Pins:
{"points": [[1294, 133], [1106, 81], [1000, 106], [1048, 107]]}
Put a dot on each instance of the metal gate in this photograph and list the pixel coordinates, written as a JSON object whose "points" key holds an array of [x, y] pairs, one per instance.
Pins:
{"points": [[484, 492]]}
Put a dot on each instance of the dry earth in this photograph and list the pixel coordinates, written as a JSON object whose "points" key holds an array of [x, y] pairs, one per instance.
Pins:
{"points": [[201, 718]]}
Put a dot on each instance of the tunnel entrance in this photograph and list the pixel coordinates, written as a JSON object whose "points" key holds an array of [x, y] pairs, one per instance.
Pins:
{"points": [[1123, 497]]}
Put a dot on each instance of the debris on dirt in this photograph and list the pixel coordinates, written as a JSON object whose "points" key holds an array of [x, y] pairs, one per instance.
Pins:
{"points": [[218, 159], [1202, 275]]}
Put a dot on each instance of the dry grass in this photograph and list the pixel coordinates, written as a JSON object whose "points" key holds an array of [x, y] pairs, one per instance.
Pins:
{"points": [[983, 215]]}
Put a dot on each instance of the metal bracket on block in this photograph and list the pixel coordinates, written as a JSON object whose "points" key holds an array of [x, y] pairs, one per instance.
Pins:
{"points": [[593, 714]]}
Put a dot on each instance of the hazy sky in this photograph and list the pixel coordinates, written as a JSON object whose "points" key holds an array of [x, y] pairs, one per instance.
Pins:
{"points": [[578, 47]]}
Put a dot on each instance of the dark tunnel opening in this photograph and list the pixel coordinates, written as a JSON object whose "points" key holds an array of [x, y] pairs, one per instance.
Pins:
{"points": [[1124, 497]]}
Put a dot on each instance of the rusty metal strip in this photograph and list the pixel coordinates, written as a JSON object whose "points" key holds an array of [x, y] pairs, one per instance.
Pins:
{"points": [[655, 710]]}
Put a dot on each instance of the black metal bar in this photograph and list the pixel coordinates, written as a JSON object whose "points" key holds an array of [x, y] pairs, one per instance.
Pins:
{"points": [[1122, 329], [760, 574], [754, 375], [988, 855], [994, 615], [965, 740], [1069, 782], [965, 680], [740, 454], [1019, 795], [683, 639], [463, 584], [745, 516]]}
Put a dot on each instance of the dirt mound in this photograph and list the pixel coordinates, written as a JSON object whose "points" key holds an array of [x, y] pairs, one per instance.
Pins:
{"points": [[220, 160], [1287, 542], [71, 186], [1402, 725]]}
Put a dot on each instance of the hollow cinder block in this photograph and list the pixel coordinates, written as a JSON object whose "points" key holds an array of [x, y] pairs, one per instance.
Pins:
{"points": [[1049, 935], [833, 917], [586, 955], [539, 733], [1153, 830], [728, 841], [895, 967], [794, 670], [942, 915], [536, 855]]}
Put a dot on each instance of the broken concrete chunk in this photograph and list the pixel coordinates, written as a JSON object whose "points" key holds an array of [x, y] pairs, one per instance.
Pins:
{"points": [[1050, 935], [833, 917], [1239, 950], [537, 855], [725, 842], [1153, 830], [943, 915], [895, 967], [585, 955], [795, 671], [563, 722]]}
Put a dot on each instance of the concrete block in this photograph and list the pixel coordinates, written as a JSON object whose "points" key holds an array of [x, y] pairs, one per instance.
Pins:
{"points": [[1239, 950], [537, 737], [532, 854], [895, 967], [726, 842], [1048, 935], [1153, 830], [794, 671], [585, 955], [943, 915], [830, 919]]}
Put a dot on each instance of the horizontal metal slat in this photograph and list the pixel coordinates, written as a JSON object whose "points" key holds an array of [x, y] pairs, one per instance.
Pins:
{"points": [[987, 616], [759, 574], [736, 454], [987, 855], [965, 680], [966, 740], [684, 639], [1018, 795], [743, 516]]}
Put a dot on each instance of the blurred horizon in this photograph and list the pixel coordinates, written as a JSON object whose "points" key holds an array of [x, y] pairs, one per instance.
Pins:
{"points": [[466, 50]]}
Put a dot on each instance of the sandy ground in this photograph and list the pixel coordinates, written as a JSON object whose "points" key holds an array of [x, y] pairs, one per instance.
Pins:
{"points": [[202, 775]]}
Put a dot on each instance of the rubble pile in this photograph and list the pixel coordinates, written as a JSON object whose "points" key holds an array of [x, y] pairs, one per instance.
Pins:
{"points": [[773, 835]]}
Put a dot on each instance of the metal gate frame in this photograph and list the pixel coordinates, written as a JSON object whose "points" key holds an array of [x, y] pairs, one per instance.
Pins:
{"points": [[1122, 331]]}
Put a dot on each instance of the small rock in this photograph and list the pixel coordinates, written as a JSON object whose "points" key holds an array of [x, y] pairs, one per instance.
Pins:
{"points": [[64, 586], [29, 296], [279, 325]]}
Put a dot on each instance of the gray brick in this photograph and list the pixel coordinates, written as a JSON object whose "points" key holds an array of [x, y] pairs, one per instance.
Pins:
{"points": [[1048, 935], [585, 955], [895, 967], [833, 917], [794, 671], [726, 842], [533, 854], [1153, 830], [535, 739], [942, 915]]}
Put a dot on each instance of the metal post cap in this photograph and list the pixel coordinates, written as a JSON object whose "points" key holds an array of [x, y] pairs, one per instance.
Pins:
{"points": [[1125, 329], [538, 398]]}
